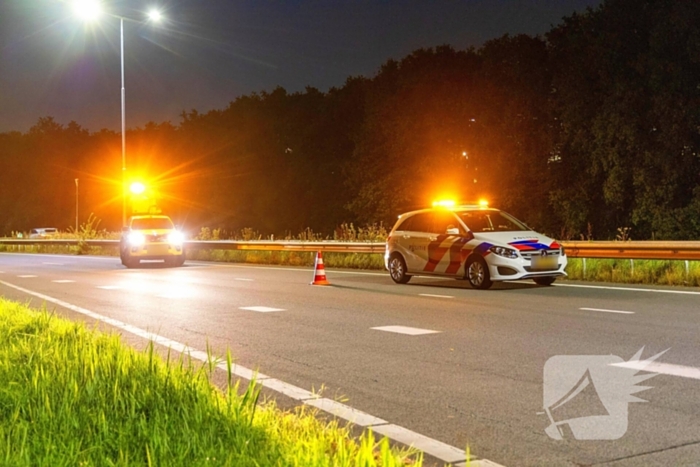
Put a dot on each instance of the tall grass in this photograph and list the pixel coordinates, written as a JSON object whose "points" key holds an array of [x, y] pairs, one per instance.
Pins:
{"points": [[70, 396], [635, 271], [291, 258]]}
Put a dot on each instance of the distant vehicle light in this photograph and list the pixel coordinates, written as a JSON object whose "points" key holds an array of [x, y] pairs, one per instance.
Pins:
{"points": [[447, 203], [176, 238], [137, 188], [136, 239], [483, 203]]}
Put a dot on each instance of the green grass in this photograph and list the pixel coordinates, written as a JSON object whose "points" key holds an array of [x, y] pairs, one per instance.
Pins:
{"points": [[70, 396], [636, 272], [291, 258]]}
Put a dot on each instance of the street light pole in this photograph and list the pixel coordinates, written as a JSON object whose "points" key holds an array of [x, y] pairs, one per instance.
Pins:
{"points": [[121, 27], [76, 206], [91, 9]]}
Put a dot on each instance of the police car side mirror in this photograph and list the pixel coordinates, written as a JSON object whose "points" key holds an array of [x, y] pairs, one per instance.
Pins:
{"points": [[453, 231]]}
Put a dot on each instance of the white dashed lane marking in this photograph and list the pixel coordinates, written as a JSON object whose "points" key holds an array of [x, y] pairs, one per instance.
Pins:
{"points": [[25, 276], [109, 287], [406, 330], [434, 295], [242, 279], [608, 311], [55, 264], [63, 281], [261, 309]]}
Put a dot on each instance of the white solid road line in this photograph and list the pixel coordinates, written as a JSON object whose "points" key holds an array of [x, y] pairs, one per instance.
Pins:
{"points": [[662, 368], [608, 311], [434, 295], [260, 309], [433, 447], [405, 330], [63, 281], [628, 289]]}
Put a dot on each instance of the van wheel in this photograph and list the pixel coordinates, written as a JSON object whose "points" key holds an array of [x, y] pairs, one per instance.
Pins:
{"points": [[544, 280], [478, 273], [397, 269]]}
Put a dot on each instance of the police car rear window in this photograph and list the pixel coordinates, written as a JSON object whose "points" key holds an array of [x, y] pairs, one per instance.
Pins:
{"points": [[421, 222]]}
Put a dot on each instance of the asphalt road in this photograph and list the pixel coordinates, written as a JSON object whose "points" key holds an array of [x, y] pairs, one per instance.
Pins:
{"points": [[477, 380]]}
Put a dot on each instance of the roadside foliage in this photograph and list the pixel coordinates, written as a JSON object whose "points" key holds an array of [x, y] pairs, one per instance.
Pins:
{"points": [[591, 128], [77, 397]]}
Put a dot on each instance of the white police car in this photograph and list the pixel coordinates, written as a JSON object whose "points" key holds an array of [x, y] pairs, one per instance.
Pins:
{"points": [[472, 242]]}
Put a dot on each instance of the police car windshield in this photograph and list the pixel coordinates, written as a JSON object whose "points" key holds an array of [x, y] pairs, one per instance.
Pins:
{"points": [[151, 223], [491, 221]]}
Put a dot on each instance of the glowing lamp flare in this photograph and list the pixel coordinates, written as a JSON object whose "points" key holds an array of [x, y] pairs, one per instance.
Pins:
{"points": [[137, 188], [155, 15], [87, 9], [483, 203], [445, 203]]}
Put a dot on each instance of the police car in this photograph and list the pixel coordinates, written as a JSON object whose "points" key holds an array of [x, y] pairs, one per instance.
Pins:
{"points": [[472, 242], [151, 237]]}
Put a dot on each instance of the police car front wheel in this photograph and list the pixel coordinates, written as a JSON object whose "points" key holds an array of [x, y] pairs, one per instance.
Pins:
{"points": [[397, 270], [478, 273]]}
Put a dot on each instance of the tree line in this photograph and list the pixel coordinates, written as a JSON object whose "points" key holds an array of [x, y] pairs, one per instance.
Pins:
{"points": [[592, 127]]}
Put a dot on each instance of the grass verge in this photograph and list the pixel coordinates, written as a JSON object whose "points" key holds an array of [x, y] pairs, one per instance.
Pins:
{"points": [[636, 271], [70, 396]]}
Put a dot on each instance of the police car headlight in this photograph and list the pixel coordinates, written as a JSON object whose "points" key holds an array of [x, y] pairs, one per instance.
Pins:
{"points": [[503, 251], [136, 239], [176, 238]]}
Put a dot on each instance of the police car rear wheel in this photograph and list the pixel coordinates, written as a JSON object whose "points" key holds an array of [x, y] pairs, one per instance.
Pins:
{"points": [[478, 273], [397, 270]]}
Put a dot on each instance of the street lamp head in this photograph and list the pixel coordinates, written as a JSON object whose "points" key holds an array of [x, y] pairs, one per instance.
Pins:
{"points": [[87, 9], [155, 15]]}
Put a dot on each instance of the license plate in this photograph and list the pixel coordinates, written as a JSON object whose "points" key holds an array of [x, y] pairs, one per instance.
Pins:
{"points": [[544, 263], [157, 249]]}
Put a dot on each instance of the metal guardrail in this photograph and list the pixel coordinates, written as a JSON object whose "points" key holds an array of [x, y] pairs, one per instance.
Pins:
{"points": [[662, 250]]}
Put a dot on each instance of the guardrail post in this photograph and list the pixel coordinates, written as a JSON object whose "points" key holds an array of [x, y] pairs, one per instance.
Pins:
{"points": [[584, 268], [687, 270], [631, 268]]}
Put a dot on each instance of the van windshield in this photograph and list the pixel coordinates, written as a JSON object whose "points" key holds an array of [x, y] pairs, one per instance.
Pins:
{"points": [[491, 221], [151, 223]]}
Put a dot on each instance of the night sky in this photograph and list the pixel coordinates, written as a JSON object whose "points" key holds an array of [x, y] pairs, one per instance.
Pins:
{"points": [[208, 52]]}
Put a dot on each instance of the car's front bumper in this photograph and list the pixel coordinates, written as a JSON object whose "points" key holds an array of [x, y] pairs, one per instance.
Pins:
{"points": [[156, 251], [513, 269]]}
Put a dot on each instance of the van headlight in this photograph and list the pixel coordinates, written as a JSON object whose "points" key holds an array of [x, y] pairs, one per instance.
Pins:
{"points": [[136, 239], [176, 238], [503, 251]]}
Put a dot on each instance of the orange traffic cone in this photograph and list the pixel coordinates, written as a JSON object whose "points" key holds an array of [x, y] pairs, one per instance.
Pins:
{"points": [[319, 272]]}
